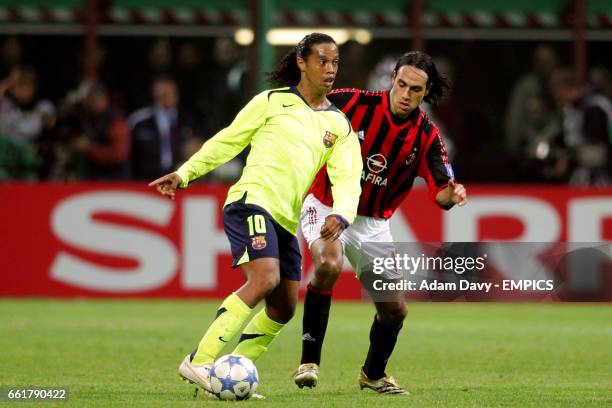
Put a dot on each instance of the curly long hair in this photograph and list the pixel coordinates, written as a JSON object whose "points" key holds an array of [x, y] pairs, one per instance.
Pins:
{"points": [[287, 72], [437, 83]]}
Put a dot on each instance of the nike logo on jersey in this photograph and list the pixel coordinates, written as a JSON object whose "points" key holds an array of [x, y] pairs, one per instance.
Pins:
{"points": [[221, 338], [286, 106]]}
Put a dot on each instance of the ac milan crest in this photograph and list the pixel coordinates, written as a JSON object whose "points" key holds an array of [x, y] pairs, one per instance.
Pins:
{"points": [[410, 159]]}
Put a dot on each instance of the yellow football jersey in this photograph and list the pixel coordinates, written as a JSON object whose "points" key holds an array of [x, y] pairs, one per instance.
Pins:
{"points": [[290, 142]]}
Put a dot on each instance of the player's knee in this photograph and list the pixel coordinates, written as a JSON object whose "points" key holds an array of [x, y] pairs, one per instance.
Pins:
{"points": [[394, 314], [329, 268], [270, 282], [265, 282]]}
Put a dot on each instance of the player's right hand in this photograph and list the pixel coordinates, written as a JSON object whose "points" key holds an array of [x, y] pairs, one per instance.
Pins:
{"points": [[458, 194], [167, 185], [332, 228]]}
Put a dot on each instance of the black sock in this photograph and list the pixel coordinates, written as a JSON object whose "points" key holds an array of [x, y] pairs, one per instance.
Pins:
{"points": [[382, 343], [314, 323]]}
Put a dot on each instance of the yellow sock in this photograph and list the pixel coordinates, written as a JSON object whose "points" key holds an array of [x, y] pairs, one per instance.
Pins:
{"points": [[229, 319], [257, 336]]}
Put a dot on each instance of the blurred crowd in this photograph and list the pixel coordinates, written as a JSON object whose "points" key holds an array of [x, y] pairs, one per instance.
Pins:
{"points": [[557, 128], [86, 137]]}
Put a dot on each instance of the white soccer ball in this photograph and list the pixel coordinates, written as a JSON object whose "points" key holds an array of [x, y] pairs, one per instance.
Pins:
{"points": [[233, 377]]}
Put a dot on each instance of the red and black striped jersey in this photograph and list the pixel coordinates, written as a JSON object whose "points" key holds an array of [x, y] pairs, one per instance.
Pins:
{"points": [[394, 151]]}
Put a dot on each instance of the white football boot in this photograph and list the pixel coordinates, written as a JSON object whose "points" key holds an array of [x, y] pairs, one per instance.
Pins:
{"points": [[200, 376], [196, 374]]}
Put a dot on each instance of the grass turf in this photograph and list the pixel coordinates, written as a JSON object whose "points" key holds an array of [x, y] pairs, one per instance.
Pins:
{"points": [[125, 353]]}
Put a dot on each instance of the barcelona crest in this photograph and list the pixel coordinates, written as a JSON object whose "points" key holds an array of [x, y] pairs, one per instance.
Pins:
{"points": [[329, 139], [258, 242]]}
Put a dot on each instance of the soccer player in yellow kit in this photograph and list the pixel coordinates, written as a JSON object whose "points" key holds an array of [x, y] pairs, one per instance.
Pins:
{"points": [[293, 131]]}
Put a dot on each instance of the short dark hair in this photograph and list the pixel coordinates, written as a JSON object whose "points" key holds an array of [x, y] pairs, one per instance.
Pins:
{"points": [[437, 83], [287, 72]]}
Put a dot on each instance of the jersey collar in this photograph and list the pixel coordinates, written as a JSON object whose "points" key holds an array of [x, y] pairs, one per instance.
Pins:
{"points": [[331, 106]]}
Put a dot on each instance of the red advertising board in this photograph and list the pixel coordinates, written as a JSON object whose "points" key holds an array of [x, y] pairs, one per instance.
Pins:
{"points": [[123, 240]]}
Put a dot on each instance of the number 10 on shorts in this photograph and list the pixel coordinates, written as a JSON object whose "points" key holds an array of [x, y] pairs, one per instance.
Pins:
{"points": [[257, 224]]}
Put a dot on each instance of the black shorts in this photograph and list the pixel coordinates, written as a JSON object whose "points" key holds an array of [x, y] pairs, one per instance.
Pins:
{"points": [[254, 234]]}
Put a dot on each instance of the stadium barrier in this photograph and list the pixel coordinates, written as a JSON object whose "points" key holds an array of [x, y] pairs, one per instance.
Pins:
{"points": [[123, 240]]}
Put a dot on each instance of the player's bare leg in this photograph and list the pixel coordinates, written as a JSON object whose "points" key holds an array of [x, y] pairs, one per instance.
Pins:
{"points": [[383, 336], [281, 303], [262, 277], [328, 259]]}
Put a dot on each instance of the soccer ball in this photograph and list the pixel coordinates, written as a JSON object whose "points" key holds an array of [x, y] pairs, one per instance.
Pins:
{"points": [[233, 377]]}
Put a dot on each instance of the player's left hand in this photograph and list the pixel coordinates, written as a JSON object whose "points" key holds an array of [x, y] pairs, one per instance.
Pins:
{"points": [[458, 194], [332, 228]]}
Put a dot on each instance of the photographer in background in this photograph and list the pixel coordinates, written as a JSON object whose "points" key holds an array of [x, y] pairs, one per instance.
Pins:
{"points": [[24, 120], [587, 129], [105, 142]]}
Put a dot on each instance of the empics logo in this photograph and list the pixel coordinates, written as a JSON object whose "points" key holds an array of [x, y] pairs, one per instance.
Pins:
{"points": [[329, 139], [258, 242]]}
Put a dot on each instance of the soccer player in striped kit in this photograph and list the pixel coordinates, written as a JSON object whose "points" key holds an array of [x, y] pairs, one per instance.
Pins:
{"points": [[398, 143], [262, 210]]}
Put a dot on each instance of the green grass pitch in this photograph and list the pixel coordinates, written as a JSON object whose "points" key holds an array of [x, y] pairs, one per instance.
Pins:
{"points": [[125, 353]]}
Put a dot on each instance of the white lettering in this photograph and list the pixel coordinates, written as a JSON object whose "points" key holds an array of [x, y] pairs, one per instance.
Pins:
{"points": [[477, 286], [585, 226], [540, 220], [541, 225], [73, 223], [202, 243], [586, 216]]}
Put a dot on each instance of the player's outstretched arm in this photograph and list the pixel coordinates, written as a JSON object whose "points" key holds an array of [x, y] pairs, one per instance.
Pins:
{"points": [[455, 193], [167, 185], [228, 142]]}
